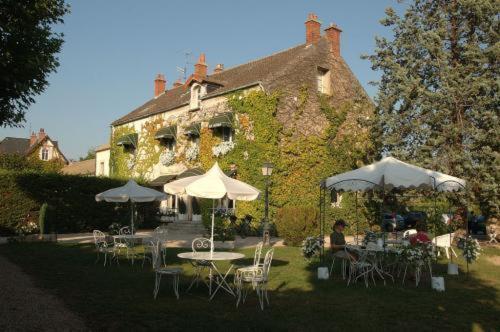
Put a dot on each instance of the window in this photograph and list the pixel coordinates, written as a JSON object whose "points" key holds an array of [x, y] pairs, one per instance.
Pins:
{"points": [[226, 134], [323, 77], [101, 168], [195, 101], [45, 154], [170, 144]]}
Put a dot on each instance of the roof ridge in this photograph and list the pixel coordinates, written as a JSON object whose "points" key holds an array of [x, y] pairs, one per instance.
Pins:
{"points": [[258, 59]]}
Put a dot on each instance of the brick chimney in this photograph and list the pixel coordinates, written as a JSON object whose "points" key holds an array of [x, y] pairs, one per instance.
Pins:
{"points": [[160, 84], [333, 35], [177, 83], [218, 68], [41, 134], [32, 138], [313, 29], [200, 68]]}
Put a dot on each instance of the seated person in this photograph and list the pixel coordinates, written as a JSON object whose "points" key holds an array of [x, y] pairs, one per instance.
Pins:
{"points": [[421, 236], [337, 239]]}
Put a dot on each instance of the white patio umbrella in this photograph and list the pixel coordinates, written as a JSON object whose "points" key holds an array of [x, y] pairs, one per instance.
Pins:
{"points": [[390, 173], [131, 192], [214, 184]]}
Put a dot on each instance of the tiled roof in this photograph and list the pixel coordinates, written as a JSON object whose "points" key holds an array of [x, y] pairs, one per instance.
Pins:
{"points": [[14, 145], [103, 147], [267, 71], [84, 167]]}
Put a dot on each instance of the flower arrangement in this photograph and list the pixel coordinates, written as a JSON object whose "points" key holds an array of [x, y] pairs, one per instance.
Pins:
{"points": [[167, 157], [471, 249], [192, 152], [312, 246], [222, 149], [418, 254]]}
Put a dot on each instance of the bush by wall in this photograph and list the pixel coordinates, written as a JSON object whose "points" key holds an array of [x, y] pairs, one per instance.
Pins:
{"points": [[295, 223], [70, 198]]}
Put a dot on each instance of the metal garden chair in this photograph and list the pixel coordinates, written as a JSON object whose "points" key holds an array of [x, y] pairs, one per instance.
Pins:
{"points": [[160, 271], [200, 244], [258, 279], [102, 246], [256, 259]]}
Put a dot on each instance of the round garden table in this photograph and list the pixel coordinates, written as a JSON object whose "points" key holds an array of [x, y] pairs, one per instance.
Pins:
{"points": [[211, 258], [129, 240]]}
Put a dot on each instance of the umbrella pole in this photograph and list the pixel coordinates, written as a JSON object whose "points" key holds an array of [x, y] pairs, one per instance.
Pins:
{"points": [[132, 217], [212, 234]]}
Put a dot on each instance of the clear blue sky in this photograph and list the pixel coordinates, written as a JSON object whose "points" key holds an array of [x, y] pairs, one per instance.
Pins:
{"points": [[114, 49]]}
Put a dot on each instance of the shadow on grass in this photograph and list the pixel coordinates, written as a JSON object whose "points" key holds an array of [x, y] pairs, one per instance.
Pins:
{"points": [[121, 297]]}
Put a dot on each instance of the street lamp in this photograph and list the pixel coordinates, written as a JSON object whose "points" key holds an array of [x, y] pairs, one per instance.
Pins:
{"points": [[267, 170]]}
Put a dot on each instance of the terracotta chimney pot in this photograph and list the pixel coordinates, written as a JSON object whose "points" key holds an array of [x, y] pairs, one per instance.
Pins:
{"points": [[160, 84], [313, 29]]}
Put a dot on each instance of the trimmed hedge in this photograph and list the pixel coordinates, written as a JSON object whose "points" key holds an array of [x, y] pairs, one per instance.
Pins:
{"points": [[71, 202], [295, 223]]}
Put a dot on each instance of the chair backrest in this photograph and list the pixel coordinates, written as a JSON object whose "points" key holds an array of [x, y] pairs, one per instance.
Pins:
{"points": [[258, 253], [200, 244], [267, 263], [407, 233], [160, 233], [125, 230], [444, 240], [99, 236], [155, 253]]}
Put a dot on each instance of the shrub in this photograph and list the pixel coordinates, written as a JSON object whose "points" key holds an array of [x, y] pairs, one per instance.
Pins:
{"points": [[41, 219], [295, 223], [70, 198]]}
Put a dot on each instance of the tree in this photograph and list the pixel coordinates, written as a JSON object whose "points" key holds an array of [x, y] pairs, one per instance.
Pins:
{"points": [[90, 154], [438, 95], [28, 49]]}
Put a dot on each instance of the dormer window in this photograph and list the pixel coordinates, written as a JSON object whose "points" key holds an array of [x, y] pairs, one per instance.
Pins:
{"points": [[324, 81], [195, 101], [45, 154]]}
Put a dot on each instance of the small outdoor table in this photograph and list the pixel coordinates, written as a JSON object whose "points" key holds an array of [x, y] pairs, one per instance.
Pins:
{"points": [[376, 255], [212, 258], [131, 240]]}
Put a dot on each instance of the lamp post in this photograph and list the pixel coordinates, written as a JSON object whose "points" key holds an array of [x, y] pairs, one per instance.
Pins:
{"points": [[267, 170]]}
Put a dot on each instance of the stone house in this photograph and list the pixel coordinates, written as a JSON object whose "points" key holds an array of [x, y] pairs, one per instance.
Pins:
{"points": [[39, 146], [163, 139]]}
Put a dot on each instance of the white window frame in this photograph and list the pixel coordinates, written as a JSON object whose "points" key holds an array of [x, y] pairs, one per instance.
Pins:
{"points": [[323, 80], [195, 101], [45, 151]]}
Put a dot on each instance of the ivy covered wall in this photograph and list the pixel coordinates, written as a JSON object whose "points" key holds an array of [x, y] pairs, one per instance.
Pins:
{"points": [[301, 159]]}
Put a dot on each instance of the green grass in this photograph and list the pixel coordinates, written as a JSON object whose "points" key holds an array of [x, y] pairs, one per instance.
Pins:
{"points": [[120, 297]]}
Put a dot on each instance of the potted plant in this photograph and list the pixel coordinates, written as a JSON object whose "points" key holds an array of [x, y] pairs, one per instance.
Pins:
{"points": [[311, 248], [182, 209], [196, 209]]}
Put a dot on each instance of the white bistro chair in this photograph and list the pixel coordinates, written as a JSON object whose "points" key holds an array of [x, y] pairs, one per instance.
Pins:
{"points": [[160, 235], [200, 244], [103, 247], [160, 270], [123, 243], [444, 242], [257, 278], [360, 267], [256, 259]]}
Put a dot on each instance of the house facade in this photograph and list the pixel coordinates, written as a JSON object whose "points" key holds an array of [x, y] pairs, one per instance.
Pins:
{"points": [[102, 154], [39, 146], [301, 109]]}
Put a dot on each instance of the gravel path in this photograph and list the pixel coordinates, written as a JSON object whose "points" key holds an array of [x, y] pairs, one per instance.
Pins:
{"points": [[24, 307]]}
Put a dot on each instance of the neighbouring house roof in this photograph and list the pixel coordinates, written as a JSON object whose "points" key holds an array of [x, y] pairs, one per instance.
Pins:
{"points": [[14, 145], [84, 167], [21, 146], [103, 147], [269, 72]]}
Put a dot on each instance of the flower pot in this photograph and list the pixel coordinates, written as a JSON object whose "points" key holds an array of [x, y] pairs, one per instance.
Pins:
{"points": [[323, 273], [452, 269], [437, 283], [197, 217]]}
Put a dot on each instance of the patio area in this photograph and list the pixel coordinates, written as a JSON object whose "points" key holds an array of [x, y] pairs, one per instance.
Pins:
{"points": [[120, 296]]}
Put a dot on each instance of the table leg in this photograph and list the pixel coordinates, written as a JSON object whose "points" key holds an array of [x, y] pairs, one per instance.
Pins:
{"points": [[222, 283]]}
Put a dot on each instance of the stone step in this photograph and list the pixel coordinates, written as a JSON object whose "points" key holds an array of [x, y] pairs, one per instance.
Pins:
{"points": [[187, 227]]}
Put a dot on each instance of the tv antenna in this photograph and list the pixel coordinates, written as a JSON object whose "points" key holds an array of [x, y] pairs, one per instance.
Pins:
{"points": [[183, 70]]}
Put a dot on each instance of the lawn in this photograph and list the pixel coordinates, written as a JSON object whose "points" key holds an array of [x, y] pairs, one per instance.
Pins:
{"points": [[120, 297]]}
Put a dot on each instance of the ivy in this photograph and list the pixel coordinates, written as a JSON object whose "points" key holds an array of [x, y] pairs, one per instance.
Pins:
{"points": [[149, 149], [119, 156]]}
